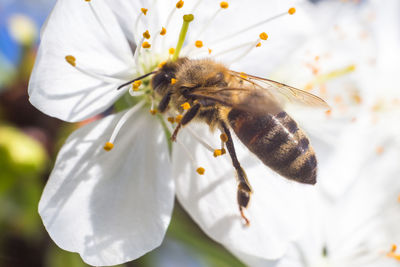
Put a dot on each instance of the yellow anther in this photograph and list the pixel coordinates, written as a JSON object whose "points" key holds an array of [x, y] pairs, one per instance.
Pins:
{"points": [[223, 151], [87, 0], [198, 44], [217, 152], [379, 150], [171, 119], [162, 64], [153, 111], [224, 5], [108, 146], [258, 45], [146, 45], [136, 85], [146, 35], [292, 10], [179, 4], [243, 75], [71, 60], [173, 81], [171, 51], [188, 17], [398, 198], [209, 51], [185, 106], [392, 253], [178, 118], [163, 31], [263, 36], [144, 10], [223, 137], [200, 170]]}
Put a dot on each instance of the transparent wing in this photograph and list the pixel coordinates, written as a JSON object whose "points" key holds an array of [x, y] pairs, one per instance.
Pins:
{"points": [[281, 93], [250, 99]]}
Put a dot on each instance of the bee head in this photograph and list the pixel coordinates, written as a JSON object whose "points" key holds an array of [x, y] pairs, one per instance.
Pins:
{"points": [[165, 75]]}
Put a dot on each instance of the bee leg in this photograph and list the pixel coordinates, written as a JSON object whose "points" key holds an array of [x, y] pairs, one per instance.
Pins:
{"points": [[189, 115], [163, 105], [244, 190]]}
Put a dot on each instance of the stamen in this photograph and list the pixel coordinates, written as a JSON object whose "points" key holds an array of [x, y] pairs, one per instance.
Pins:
{"points": [[262, 37], [229, 36], [392, 253], [153, 111], [144, 10], [146, 45], [163, 31], [224, 5], [185, 106], [171, 119], [108, 146], [182, 35], [162, 64], [171, 51], [223, 137], [92, 73], [146, 34], [120, 123], [209, 51], [217, 152], [179, 4], [173, 81], [198, 44], [71, 60], [200, 170], [198, 138], [136, 85], [178, 118]]}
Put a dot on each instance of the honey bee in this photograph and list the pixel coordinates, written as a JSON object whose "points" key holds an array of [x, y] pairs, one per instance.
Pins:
{"points": [[249, 105]]}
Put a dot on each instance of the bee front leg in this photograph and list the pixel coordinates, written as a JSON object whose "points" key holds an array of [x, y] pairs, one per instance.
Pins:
{"points": [[189, 115], [163, 105], [244, 189]]}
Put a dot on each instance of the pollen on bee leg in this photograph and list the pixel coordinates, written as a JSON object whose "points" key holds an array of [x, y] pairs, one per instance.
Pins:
{"points": [[200, 170], [173, 81], [108, 146], [185, 106], [71, 60]]}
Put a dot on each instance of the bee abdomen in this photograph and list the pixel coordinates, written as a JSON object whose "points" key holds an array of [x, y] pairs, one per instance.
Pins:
{"points": [[278, 143]]}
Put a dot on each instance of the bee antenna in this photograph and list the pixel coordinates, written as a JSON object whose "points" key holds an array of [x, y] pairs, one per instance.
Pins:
{"points": [[136, 79]]}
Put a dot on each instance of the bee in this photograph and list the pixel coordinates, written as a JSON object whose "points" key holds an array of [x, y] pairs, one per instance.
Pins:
{"points": [[251, 106]]}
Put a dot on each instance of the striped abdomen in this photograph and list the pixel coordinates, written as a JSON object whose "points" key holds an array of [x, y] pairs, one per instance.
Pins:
{"points": [[278, 142]]}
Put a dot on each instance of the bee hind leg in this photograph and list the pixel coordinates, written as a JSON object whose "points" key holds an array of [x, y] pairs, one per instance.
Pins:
{"points": [[189, 115], [244, 189]]}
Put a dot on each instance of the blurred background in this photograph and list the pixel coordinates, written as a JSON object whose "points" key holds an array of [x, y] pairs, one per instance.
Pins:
{"points": [[29, 142]]}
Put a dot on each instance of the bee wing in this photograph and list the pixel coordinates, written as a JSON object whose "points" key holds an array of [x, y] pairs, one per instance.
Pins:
{"points": [[251, 100], [283, 94]]}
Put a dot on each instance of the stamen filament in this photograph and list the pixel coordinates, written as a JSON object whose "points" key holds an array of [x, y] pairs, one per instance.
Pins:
{"points": [[124, 119], [229, 36], [198, 138], [182, 35]]}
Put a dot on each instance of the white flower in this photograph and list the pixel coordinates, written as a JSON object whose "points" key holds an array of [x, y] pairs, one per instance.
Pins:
{"points": [[112, 207]]}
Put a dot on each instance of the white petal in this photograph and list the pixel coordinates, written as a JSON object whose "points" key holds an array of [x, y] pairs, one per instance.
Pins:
{"points": [[276, 210], [90, 32], [110, 207]]}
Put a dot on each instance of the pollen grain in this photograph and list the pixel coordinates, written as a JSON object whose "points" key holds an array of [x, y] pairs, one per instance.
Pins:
{"points": [[71, 60], [198, 44], [200, 170]]}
